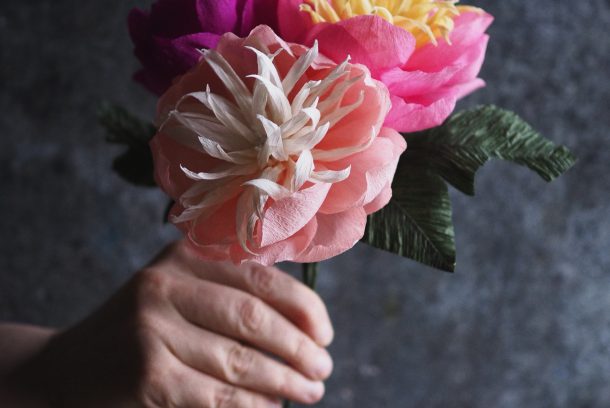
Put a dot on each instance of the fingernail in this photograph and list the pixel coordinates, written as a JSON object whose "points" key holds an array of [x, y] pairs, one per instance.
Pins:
{"points": [[313, 392], [323, 365], [327, 336]]}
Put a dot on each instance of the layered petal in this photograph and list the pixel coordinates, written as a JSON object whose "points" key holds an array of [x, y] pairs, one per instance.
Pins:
{"points": [[268, 148], [335, 234], [167, 39], [368, 40], [371, 171], [425, 72]]}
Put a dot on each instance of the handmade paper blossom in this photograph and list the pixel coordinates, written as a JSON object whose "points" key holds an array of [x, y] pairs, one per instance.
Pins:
{"points": [[167, 38], [428, 52], [272, 152]]}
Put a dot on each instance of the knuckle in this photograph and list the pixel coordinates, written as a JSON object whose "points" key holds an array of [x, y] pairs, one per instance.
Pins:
{"points": [[151, 390], [239, 363], [311, 308], [225, 397], [284, 385], [152, 284], [251, 315], [300, 349], [262, 279]]}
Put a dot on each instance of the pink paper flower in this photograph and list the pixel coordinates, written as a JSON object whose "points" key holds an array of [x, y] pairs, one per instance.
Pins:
{"points": [[167, 37], [272, 152], [427, 52]]}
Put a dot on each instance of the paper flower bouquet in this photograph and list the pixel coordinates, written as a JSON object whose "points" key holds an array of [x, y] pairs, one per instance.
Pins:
{"points": [[291, 130]]}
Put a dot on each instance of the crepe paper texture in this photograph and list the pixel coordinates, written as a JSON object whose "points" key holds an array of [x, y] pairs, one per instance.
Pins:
{"points": [[289, 147], [284, 149], [428, 53], [167, 38], [417, 223]]}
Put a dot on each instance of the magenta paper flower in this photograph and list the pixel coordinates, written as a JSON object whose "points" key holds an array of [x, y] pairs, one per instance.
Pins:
{"points": [[273, 152], [427, 52], [167, 38]]}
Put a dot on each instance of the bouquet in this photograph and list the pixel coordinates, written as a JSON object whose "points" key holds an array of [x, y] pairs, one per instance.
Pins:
{"points": [[290, 130]]}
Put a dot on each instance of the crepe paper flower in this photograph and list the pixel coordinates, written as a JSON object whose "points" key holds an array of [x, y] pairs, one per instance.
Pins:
{"points": [[427, 52], [272, 152], [167, 37]]}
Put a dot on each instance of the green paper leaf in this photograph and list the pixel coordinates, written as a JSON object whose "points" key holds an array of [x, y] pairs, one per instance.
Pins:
{"points": [[136, 164], [458, 148], [417, 222]]}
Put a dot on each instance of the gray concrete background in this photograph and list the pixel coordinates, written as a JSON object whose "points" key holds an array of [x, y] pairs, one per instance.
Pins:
{"points": [[525, 321]]}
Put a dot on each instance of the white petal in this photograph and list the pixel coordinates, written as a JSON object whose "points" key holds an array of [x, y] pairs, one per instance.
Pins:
{"points": [[226, 113], [271, 188], [341, 153], [191, 126], [215, 150], [299, 100], [303, 170], [274, 146], [210, 201], [230, 79], [246, 219], [223, 172], [342, 112], [307, 141], [326, 83], [266, 68], [280, 107], [296, 123], [299, 68], [331, 176], [336, 97]]}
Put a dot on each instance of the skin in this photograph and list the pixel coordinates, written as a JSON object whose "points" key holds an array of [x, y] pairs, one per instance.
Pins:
{"points": [[181, 333]]}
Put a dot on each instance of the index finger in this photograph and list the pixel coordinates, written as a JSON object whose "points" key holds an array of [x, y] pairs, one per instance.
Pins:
{"points": [[291, 298]]}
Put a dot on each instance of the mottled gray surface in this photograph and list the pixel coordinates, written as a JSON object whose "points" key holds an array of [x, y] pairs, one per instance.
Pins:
{"points": [[525, 322]]}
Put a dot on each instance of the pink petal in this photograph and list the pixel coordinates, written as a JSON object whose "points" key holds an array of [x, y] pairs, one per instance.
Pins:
{"points": [[369, 40], [293, 23], [371, 171], [286, 250], [472, 61], [335, 234], [219, 228], [167, 156], [287, 216], [413, 117], [217, 16], [355, 129], [380, 201], [469, 28]]}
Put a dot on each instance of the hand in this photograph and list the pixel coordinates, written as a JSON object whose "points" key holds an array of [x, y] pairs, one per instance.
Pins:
{"points": [[188, 333]]}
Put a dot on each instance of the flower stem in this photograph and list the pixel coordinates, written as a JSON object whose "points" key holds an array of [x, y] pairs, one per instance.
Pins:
{"points": [[310, 276]]}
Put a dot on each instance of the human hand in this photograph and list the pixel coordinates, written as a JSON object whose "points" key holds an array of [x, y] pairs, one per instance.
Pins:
{"points": [[189, 333]]}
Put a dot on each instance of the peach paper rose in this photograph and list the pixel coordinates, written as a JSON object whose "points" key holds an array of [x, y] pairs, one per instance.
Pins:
{"points": [[273, 152]]}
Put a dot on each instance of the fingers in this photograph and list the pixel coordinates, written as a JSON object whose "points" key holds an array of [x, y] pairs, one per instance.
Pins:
{"points": [[236, 314], [198, 390], [241, 366], [291, 298]]}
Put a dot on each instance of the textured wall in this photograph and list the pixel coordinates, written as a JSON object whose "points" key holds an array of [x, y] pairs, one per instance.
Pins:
{"points": [[523, 323]]}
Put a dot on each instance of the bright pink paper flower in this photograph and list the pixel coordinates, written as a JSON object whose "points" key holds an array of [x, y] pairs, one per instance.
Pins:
{"points": [[425, 77], [167, 38], [273, 152]]}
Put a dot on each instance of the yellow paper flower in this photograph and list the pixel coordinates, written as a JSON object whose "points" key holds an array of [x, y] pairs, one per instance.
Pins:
{"points": [[427, 20]]}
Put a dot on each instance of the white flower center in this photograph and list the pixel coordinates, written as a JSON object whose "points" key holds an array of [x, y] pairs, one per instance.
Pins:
{"points": [[265, 139]]}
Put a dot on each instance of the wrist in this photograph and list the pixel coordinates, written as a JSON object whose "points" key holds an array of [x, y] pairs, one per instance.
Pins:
{"points": [[21, 347]]}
